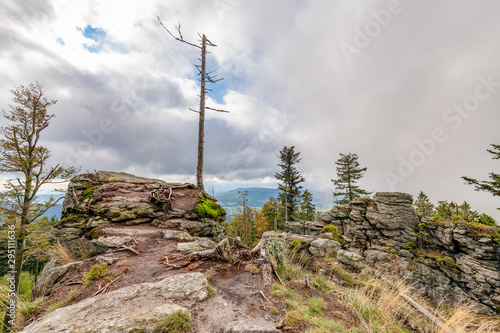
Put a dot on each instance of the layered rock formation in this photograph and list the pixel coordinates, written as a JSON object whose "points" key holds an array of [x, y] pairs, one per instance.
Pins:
{"points": [[103, 198], [450, 262]]}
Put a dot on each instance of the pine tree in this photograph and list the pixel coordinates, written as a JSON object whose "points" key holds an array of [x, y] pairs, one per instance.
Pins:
{"points": [[348, 173], [290, 179], [423, 206], [492, 185], [307, 207]]}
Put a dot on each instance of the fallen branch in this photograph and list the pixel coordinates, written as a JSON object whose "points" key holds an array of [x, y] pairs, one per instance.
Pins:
{"points": [[106, 287], [263, 296], [126, 248], [72, 282], [426, 313]]}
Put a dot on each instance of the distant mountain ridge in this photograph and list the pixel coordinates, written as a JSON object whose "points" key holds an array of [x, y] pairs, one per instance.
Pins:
{"points": [[56, 209], [232, 200]]}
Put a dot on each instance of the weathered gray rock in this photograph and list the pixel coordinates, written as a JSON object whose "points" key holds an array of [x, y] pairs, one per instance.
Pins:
{"points": [[177, 234], [199, 244], [67, 234], [304, 227], [254, 325], [51, 274], [393, 214], [323, 247], [110, 260], [137, 308], [374, 256], [327, 235], [112, 241], [351, 259]]}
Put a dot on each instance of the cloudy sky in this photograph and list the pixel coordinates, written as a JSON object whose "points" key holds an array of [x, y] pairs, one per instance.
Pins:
{"points": [[412, 87]]}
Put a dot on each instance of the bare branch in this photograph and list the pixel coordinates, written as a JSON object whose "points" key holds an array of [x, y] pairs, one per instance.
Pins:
{"points": [[180, 38], [218, 110]]}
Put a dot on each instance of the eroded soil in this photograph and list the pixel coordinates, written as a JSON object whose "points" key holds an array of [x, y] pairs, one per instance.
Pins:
{"points": [[238, 294]]}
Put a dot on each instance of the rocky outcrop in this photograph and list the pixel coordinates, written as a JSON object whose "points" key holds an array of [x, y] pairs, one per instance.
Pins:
{"points": [[99, 199], [138, 308], [449, 262], [51, 274]]}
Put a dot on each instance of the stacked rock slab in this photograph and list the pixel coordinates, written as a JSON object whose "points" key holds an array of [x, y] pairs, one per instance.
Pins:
{"points": [[450, 262], [102, 198]]}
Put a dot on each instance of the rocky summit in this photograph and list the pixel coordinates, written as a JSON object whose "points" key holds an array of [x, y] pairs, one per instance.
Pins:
{"points": [[140, 252]]}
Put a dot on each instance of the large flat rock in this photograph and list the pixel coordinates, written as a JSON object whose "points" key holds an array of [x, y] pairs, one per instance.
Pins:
{"points": [[137, 308]]}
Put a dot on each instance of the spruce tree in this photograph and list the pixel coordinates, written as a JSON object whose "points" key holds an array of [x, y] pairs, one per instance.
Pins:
{"points": [[307, 207], [492, 185], [290, 179], [423, 206], [348, 173]]}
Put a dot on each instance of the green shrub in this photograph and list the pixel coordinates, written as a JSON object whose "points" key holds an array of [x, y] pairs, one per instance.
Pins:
{"points": [[96, 272], [29, 308], [486, 220], [316, 305], [176, 322], [330, 228], [297, 243], [25, 284], [293, 318], [334, 230], [321, 283], [211, 290], [87, 193]]}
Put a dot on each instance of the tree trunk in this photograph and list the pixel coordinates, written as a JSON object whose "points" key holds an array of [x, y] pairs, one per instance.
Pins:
{"points": [[201, 128]]}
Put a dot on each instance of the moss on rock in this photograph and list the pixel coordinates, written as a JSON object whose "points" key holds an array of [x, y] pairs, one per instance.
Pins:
{"points": [[209, 209]]}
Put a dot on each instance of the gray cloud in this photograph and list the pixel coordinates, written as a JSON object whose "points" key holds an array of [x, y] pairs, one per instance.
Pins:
{"points": [[288, 83]]}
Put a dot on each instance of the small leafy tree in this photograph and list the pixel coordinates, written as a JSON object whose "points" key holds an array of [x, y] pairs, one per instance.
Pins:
{"points": [[307, 207], [423, 206], [248, 225], [22, 155], [348, 173], [273, 212], [492, 185], [290, 179]]}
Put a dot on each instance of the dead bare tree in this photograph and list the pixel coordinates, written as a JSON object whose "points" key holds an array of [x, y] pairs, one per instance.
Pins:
{"points": [[204, 77]]}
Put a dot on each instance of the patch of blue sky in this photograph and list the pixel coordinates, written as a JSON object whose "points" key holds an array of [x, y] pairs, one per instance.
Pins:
{"points": [[217, 91], [60, 41], [97, 35]]}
